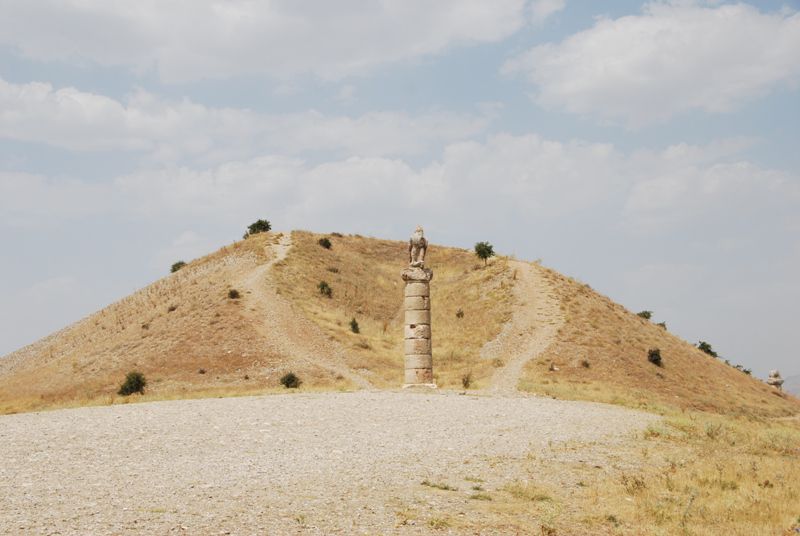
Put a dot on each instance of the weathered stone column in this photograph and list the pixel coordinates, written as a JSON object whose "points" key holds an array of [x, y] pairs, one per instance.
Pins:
{"points": [[417, 343]]}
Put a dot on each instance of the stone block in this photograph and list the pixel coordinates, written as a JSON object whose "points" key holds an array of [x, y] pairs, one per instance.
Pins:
{"points": [[420, 375], [417, 303], [417, 289], [418, 331], [418, 361], [417, 346], [417, 274], [418, 317]]}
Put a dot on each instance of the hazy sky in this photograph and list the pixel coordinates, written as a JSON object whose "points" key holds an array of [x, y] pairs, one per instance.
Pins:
{"points": [[649, 149]]}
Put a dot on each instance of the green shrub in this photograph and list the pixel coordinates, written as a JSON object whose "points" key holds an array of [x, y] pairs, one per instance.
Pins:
{"points": [[354, 326], [290, 380], [259, 226], [324, 242], [654, 356], [484, 250], [135, 382], [703, 346], [325, 289], [177, 266], [460, 313], [234, 294], [647, 315]]}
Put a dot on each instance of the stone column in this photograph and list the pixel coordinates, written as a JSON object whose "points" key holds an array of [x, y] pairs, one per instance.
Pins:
{"points": [[417, 343]]}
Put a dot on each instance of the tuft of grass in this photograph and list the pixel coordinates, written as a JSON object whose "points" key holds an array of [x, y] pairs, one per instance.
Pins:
{"points": [[438, 523], [354, 326], [234, 294], [438, 485], [466, 380], [526, 491], [480, 497]]}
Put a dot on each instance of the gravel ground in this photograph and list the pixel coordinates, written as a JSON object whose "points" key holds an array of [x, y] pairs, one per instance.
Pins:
{"points": [[328, 463]]}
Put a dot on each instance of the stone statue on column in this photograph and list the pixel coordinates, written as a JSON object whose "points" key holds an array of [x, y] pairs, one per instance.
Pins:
{"points": [[417, 325]]}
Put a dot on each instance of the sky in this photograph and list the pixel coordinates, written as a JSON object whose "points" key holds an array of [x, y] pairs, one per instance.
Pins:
{"points": [[649, 149]]}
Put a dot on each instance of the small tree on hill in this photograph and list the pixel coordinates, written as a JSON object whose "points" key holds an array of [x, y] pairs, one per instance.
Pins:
{"points": [[484, 250], [647, 315], [259, 226], [134, 383], [703, 346], [177, 266]]}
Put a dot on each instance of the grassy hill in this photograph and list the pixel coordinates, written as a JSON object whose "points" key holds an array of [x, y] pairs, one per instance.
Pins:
{"points": [[601, 354], [189, 337], [723, 459]]}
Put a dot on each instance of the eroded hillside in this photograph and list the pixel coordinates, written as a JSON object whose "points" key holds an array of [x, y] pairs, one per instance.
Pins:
{"points": [[601, 351], [501, 325]]}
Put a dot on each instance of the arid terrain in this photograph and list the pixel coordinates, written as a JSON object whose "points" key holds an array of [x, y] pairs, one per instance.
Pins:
{"points": [[693, 445]]}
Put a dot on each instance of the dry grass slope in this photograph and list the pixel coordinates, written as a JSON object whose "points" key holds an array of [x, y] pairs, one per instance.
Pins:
{"points": [[364, 275], [171, 331], [601, 355]]}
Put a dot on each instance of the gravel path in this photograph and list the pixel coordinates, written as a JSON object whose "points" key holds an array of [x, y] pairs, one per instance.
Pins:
{"points": [[300, 338], [533, 326], [328, 463]]}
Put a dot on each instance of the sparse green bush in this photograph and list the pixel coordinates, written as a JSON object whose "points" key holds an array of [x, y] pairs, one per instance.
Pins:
{"points": [[259, 226], [135, 382], [647, 315], [354, 326], [177, 266], [654, 356], [703, 346], [325, 289], [460, 313], [234, 294], [290, 380], [484, 250], [324, 242]]}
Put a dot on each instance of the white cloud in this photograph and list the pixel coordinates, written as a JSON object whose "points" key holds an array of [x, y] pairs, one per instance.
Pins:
{"points": [[673, 58], [186, 40], [168, 131], [522, 178], [34, 200], [539, 11], [519, 178]]}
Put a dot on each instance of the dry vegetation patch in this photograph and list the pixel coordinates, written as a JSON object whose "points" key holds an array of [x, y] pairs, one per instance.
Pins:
{"points": [[601, 354], [364, 277]]}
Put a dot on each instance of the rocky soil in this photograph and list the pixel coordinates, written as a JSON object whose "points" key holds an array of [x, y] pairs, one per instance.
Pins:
{"points": [[328, 463]]}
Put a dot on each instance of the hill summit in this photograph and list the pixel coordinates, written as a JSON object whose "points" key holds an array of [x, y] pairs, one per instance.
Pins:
{"points": [[328, 308]]}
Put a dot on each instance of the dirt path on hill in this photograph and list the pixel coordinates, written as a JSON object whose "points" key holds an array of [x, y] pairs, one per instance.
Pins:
{"points": [[534, 324], [304, 463], [288, 332]]}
